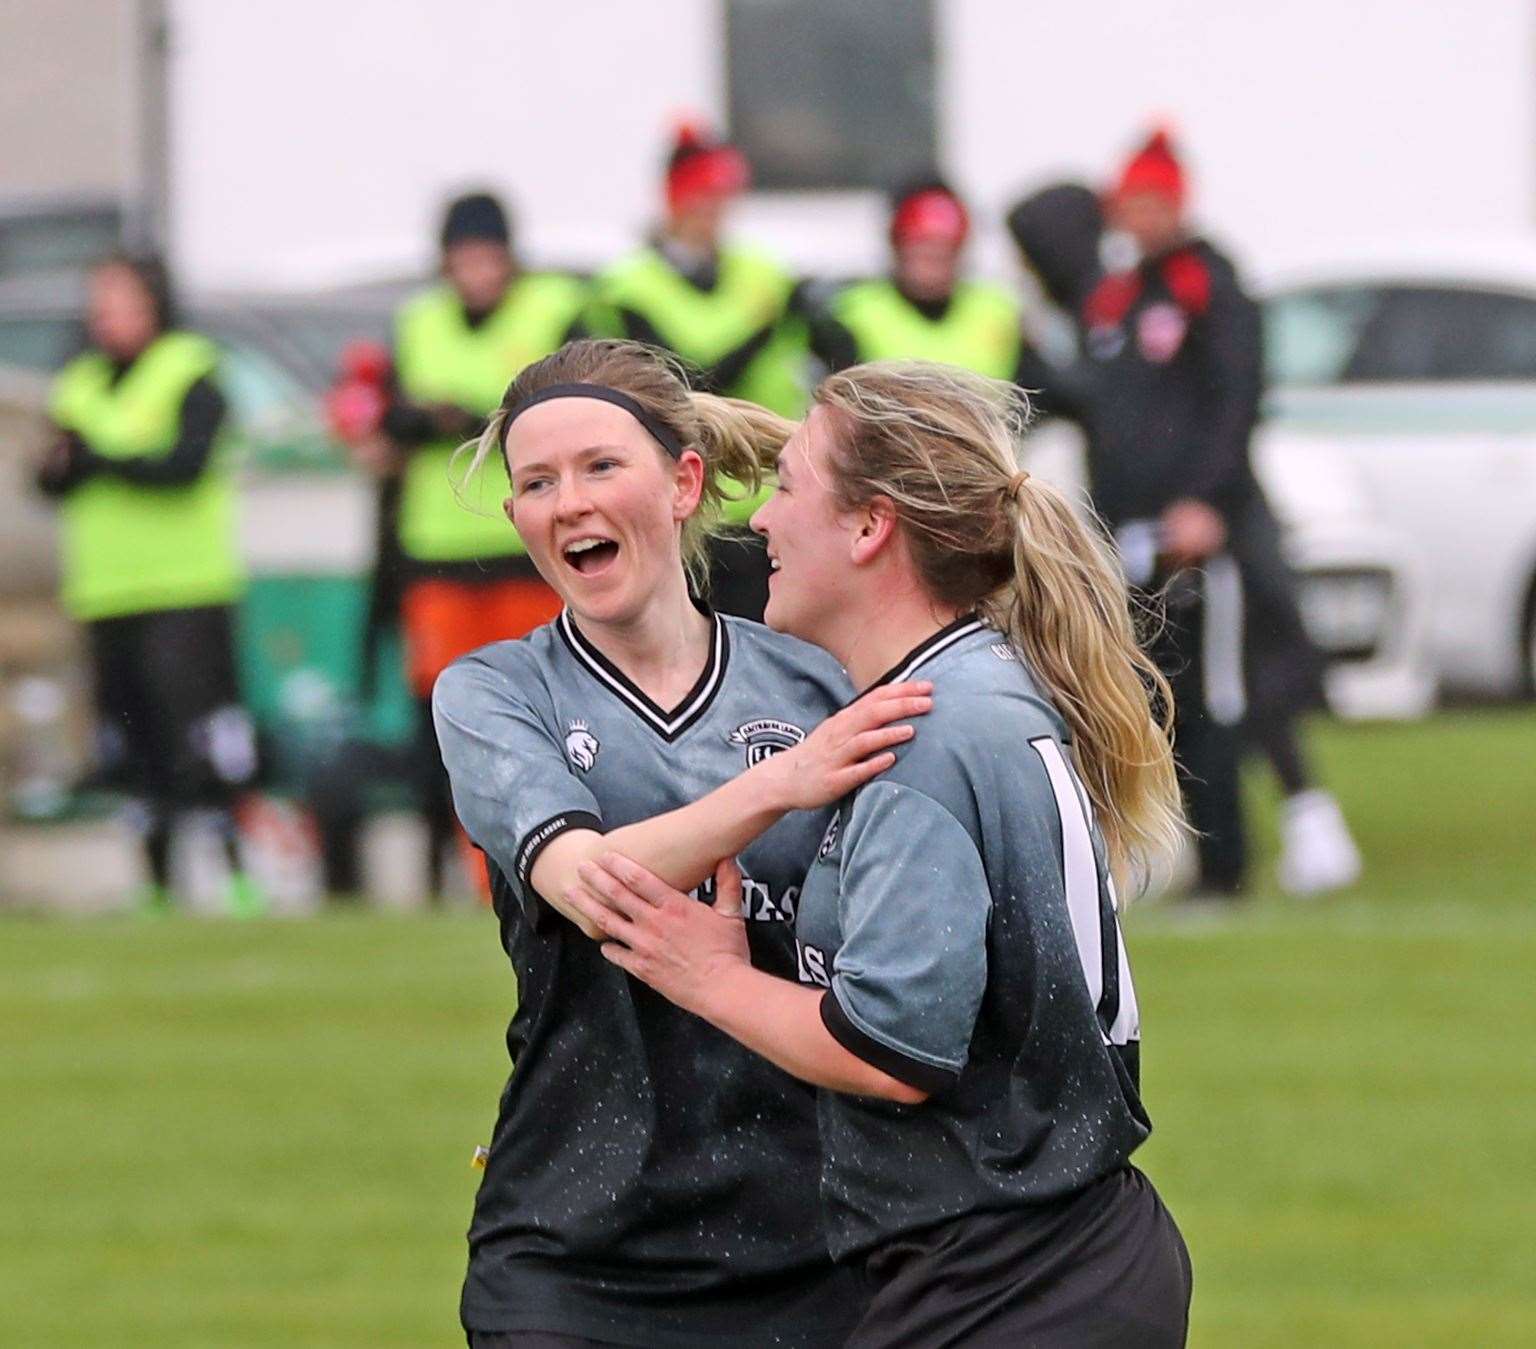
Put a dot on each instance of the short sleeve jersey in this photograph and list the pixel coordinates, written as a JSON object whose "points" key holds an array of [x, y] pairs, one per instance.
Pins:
{"points": [[649, 1181], [961, 918]]}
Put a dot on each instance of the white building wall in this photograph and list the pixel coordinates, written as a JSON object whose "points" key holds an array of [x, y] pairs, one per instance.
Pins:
{"points": [[67, 97], [317, 141], [314, 143], [1310, 125]]}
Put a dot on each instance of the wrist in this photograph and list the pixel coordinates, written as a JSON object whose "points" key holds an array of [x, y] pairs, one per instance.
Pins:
{"points": [[724, 993], [771, 782]]}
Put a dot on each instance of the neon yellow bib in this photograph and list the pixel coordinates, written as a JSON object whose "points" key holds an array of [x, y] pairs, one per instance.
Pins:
{"points": [[705, 326], [132, 549], [979, 331], [441, 359]]}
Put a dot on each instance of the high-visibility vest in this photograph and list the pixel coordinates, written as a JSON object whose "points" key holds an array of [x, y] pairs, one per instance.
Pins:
{"points": [[704, 326], [126, 548], [980, 330], [439, 358]]}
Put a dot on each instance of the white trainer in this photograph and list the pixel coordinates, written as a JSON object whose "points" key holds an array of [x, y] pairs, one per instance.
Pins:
{"points": [[1317, 853]]}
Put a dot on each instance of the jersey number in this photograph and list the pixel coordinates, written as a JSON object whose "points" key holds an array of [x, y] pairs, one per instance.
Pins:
{"points": [[1091, 904]]}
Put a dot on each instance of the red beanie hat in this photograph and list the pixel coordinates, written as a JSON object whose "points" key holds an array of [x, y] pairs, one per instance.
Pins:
{"points": [[929, 211], [1153, 168], [701, 166]]}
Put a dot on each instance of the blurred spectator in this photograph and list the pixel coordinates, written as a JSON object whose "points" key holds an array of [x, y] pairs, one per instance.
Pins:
{"points": [[725, 310], [151, 562], [926, 309], [467, 579], [1168, 393]]}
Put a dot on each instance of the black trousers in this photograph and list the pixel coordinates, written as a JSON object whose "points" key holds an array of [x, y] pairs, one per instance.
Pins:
{"points": [[170, 727], [1199, 648], [170, 730]]}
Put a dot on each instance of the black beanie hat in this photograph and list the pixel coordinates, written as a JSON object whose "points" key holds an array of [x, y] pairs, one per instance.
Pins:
{"points": [[476, 216]]}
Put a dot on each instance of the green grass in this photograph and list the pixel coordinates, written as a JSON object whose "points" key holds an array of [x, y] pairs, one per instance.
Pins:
{"points": [[258, 1134]]}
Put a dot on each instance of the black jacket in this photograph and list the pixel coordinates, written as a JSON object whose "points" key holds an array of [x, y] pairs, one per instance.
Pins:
{"points": [[1170, 385]]}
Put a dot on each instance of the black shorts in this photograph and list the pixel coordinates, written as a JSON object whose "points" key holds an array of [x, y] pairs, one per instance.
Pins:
{"points": [[170, 727], [1106, 1269]]}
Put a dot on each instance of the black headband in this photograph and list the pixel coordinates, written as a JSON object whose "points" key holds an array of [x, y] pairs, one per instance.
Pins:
{"points": [[663, 434]]}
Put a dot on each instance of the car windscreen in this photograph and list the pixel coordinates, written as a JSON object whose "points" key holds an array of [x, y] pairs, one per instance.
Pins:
{"points": [[317, 335], [1396, 334], [50, 241], [1311, 336], [1445, 333], [42, 342]]}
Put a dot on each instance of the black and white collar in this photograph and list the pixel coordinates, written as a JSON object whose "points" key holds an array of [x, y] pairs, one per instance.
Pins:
{"points": [[667, 724], [908, 666]]}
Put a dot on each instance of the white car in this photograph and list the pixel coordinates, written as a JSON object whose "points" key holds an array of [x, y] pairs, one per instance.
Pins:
{"points": [[1362, 597], [1415, 375]]}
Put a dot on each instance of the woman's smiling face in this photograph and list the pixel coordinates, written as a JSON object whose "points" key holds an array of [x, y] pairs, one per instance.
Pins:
{"points": [[599, 505], [809, 539]]}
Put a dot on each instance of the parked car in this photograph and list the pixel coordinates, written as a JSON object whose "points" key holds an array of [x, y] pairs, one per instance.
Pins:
{"points": [[1416, 376], [1362, 598]]}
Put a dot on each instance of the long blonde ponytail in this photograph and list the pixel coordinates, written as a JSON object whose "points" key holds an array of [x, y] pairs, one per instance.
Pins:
{"points": [[1069, 614], [942, 444]]}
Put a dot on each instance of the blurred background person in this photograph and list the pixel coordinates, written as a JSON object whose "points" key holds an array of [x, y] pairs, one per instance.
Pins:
{"points": [[725, 309], [1061, 234], [150, 564], [1168, 392], [465, 577], [926, 308]]}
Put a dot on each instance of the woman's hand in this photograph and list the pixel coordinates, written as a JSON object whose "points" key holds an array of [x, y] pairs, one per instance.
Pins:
{"points": [[846, 750], [676, 944]]}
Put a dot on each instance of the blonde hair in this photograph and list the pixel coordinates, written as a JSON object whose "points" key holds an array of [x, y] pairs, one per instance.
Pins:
{"points": [[738, 441], [942, 444]]}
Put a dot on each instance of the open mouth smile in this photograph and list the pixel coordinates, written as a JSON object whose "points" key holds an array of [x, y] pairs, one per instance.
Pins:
{"points": [[590, 554]]}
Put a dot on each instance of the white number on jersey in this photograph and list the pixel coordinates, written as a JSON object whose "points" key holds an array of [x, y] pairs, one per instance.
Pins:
{"points": [[1091, 906]]}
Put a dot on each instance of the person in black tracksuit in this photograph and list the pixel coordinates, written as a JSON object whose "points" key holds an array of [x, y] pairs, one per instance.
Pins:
{"points": [[1168, 395], [1168, 390]]}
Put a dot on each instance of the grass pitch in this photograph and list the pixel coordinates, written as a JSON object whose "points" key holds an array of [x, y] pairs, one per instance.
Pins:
{"points": [[224, 1134]]}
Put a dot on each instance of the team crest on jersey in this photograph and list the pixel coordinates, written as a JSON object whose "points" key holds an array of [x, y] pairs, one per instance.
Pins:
{"points": [[766, 736], [581, 746]]}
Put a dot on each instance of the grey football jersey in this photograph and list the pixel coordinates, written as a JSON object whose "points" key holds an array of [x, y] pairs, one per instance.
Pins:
{"points": [[961, 918], [649, 1180]]}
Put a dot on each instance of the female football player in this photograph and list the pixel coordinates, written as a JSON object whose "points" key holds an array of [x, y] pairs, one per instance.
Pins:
{"points": [[958, 930], [649, 1181]]}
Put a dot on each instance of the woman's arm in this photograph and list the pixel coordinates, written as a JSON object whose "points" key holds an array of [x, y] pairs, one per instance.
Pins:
{"points": [[696, 956], [684, 846], [202, 414]]}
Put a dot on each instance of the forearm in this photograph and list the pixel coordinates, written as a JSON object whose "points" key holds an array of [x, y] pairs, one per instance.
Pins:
{"points": [[782, 1021], [681, 846], [202, 416]]}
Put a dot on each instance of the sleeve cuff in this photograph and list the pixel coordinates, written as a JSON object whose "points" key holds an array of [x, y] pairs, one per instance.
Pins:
{"points": [[542, 835], [924, 1076]]}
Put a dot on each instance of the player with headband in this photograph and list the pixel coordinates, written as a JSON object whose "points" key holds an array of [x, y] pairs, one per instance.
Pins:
{"points": [[649, 1181]]}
